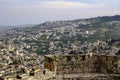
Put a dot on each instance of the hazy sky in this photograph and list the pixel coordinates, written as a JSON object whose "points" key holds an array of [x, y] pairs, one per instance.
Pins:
{"points": [[17, 12]]}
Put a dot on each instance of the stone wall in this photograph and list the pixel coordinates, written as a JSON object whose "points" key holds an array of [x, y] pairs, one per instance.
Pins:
{"points": [[48, 63], [81, 64], [87, 64]]}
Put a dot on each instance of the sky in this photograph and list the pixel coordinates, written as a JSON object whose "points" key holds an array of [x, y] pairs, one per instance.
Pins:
{"points": [[19, 12]]}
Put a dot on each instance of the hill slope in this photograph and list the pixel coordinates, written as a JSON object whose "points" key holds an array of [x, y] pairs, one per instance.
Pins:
{"points": [[106, 26]]}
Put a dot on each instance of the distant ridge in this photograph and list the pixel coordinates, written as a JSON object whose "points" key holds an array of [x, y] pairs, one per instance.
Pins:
{"points": [[95, 20]]}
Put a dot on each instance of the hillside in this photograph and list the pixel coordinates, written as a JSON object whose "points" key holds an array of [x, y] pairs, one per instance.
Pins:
{"points": [[63, 36], [96, 20], [106, 26]]}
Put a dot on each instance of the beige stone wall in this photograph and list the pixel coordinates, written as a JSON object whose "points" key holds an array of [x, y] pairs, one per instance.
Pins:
{"points": [[86, 64], [83, 67]]}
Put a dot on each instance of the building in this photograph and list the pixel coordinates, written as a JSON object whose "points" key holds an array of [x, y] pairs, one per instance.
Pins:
{"points": [[78, 66]]}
